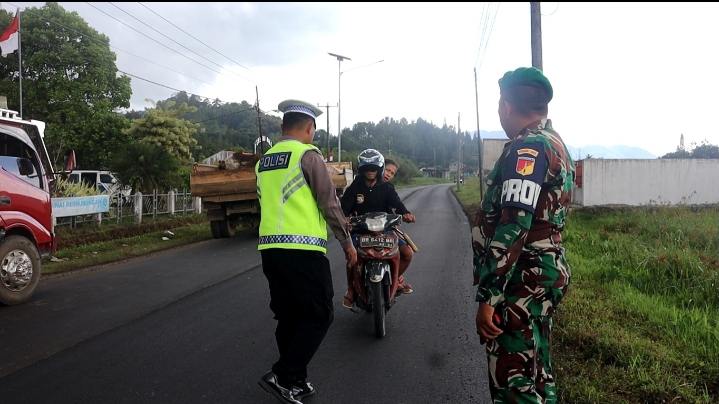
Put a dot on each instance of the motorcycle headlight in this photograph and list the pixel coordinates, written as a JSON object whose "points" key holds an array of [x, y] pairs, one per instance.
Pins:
{"points": [[375, 224]]}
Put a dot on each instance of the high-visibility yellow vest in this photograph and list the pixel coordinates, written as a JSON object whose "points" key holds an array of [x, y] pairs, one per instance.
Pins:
{"points": [[290, 217]]}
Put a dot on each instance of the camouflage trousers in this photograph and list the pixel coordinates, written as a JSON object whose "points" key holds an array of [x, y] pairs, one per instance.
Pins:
{"points": [[519, 360]]}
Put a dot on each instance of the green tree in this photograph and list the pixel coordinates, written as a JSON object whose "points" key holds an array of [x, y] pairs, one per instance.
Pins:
{"points": [[146, 167], [69, 81], [163, 127], [704, 150]]}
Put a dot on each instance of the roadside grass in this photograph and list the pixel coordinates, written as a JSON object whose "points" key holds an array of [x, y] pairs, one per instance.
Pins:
{"points": [[419, 181], [110, 230], [641, 320], [115, 249]]}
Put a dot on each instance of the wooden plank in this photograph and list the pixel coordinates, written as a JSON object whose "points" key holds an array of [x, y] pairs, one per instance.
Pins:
{"points": [[231, 198]]}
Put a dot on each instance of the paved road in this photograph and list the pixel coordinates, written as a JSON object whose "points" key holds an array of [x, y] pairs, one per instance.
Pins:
{"points": [[193, 325]]}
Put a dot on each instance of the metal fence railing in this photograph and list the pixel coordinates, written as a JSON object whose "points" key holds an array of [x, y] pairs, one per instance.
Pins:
{"points": [[131, 208]]}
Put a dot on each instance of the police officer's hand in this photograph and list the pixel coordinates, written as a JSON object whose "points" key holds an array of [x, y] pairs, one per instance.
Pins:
{"points": [[408, 217], [350, 255], [485, 325]]}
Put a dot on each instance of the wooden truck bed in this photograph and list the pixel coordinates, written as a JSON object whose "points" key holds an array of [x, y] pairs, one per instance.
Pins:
{"points": [[222, 185]]}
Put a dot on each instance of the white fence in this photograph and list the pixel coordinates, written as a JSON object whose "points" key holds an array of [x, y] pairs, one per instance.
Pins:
{"points": [[648, 182], [118, 208]]}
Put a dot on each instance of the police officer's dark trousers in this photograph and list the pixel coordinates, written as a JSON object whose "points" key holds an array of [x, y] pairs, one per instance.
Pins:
{"points": [[301, 299]]}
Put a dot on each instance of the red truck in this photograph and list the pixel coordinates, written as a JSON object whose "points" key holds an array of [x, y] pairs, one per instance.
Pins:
{"points": [[26, 225]]}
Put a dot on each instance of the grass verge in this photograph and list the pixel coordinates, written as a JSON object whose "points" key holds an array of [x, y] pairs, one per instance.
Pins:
{"points": [[115, 249], [419, 181]]}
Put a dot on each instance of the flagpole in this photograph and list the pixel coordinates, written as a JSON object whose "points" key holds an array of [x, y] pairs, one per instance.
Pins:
{"points": [[19, 54]]}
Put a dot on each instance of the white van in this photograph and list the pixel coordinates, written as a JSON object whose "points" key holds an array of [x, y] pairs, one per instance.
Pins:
{"points": [[104, 181]]}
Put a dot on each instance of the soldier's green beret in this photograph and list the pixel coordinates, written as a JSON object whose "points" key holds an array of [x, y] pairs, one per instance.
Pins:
{"points": [[526, 76]]}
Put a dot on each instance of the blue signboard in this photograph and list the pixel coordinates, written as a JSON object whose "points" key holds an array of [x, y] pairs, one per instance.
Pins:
{"points": [[81, 205]]}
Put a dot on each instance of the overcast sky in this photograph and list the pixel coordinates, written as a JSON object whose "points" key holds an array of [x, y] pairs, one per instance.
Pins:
{"points": [[629, 74]]}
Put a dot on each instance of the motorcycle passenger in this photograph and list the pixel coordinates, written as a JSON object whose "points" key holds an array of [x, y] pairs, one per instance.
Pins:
{"points": [[369, 193]]}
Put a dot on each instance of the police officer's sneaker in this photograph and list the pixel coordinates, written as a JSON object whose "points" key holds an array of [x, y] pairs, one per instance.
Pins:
{"points": [[286, 394], [305, 389]]}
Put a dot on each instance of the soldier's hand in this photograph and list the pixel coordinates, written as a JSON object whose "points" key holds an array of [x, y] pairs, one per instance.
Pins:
{"points": [[350, 255], [408, 217], [485, 324]]}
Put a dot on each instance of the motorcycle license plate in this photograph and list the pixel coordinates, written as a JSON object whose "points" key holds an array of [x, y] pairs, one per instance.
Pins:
{"points": [[376, 241]]}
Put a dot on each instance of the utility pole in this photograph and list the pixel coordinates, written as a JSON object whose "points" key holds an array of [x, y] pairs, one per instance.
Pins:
{"points": [[459, 151], [536, 22], [19, 54], [479, 139], [259, 120], [340, 58], [328, 106]]}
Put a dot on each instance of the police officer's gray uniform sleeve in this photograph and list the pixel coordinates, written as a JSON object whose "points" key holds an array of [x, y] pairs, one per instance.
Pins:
{"points": [[324, 192]]}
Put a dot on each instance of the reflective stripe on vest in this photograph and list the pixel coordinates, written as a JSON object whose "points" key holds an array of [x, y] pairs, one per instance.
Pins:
{"points": [[290, 239]]}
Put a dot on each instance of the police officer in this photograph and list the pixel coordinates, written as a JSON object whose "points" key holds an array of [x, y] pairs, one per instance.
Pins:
{"points": [[520, 265], [297, 201]]}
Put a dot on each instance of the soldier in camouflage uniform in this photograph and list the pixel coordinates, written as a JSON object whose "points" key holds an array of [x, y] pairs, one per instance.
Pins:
{"points": [[519, 261]]}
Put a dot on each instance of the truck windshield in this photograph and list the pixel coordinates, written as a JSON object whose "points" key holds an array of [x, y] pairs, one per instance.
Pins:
{"points": [[11, 151]]}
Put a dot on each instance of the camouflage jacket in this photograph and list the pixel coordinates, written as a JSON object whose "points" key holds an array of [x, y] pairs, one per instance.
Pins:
{"points": [[524, 208]]}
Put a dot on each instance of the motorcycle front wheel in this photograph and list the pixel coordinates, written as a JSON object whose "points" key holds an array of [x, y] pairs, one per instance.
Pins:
{"points": [[378, 309]]}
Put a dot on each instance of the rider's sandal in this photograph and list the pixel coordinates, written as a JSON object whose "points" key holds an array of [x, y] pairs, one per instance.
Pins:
{"points": [[347, 302]]}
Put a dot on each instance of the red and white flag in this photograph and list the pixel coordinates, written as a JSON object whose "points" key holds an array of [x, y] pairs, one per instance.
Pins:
{"points": [[9, 38]]}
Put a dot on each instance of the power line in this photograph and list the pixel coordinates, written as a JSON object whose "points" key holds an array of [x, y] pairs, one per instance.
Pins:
{"points": [[172, 39], [554, 11], [193, 37], [124, 72], [489, 36], [483, 22], [163, 85], [100, 41], [226, 114], [153, 39]]}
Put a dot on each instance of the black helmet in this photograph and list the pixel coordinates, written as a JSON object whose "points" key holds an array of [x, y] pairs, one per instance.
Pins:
{"points": [[370, 158]]}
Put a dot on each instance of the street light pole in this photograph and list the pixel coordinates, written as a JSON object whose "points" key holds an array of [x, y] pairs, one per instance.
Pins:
{"points": [[340, 58]]}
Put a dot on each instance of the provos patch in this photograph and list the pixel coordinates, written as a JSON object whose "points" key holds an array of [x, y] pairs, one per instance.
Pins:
{"points": [[274, 161], [521, 192], [360, 198]]}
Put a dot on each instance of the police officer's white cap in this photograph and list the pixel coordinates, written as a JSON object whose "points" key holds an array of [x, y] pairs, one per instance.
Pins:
{"points": [[300, 107]]}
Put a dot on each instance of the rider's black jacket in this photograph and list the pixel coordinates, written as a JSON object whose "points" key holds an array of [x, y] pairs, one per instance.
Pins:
{"points": [[359, 199]]}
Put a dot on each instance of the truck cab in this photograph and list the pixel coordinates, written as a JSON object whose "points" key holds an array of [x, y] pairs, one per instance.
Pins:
{"points": [[26, 227]]}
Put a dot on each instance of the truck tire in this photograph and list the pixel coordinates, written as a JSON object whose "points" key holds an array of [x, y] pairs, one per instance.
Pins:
{"points": [[222, 228], [19, 270], [215, 228]]}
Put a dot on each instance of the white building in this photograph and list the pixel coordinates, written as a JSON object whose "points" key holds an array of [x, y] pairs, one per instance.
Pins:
{"points": [[637, 182]]}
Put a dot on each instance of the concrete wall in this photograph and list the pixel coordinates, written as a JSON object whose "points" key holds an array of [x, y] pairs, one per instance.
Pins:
{"points": [[491, 150], [644, 182]]}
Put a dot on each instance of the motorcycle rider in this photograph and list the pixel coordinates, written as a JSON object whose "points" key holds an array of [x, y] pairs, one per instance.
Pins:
{"points": [[369, 193]]}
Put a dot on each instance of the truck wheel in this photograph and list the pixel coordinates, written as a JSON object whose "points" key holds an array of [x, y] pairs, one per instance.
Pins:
{"points": [[226, 228], [215, 227], [222, 228], [19, 270]]}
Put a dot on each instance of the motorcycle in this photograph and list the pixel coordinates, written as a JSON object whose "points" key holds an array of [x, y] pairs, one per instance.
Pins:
{"points": [[377, 246]]}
